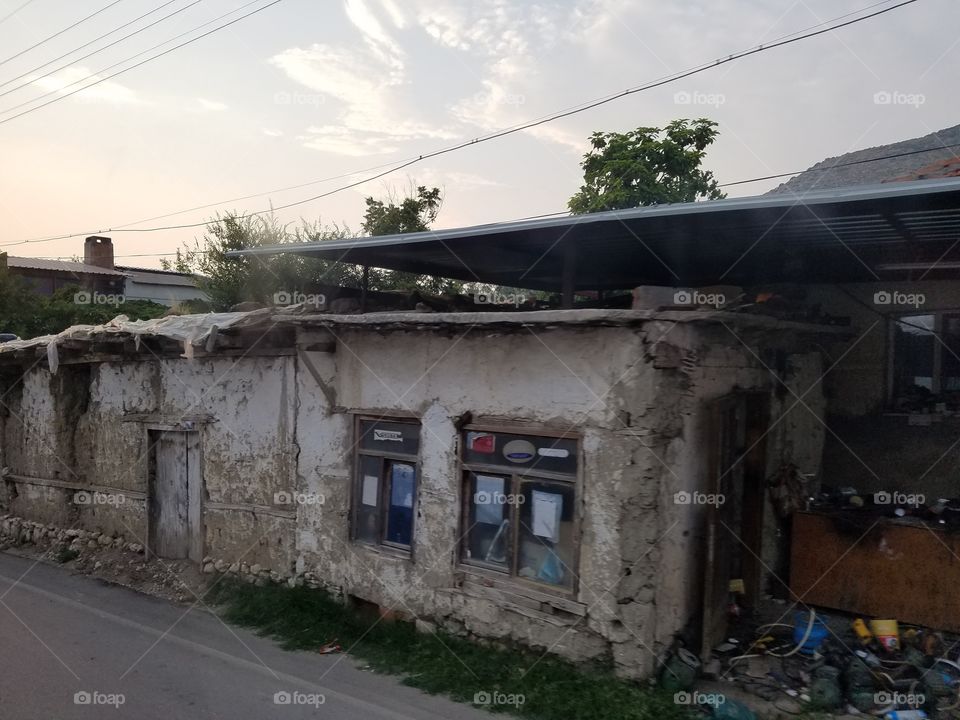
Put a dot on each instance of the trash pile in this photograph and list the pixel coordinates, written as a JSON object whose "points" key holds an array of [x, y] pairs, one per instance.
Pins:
{"points": [[831, 665]]}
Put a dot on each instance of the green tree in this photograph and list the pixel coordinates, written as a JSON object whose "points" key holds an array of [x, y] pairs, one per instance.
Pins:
{"points": [[414, 213], [29, 314], [647, 166], [257, 278]]}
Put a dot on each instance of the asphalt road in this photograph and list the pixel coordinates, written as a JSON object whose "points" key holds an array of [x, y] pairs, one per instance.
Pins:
{"points": [[72, 647]]}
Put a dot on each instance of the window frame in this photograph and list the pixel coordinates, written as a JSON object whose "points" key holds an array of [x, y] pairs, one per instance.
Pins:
{"points": [[516, 477], [385, 483], [939, 348]]}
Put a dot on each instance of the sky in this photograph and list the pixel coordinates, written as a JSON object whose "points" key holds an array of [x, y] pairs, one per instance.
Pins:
{"points": [[322, 92]]}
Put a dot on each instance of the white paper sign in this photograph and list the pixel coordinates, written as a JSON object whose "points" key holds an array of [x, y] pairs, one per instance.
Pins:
{"points": [[370, 483], [392, 435], [547, 508]]}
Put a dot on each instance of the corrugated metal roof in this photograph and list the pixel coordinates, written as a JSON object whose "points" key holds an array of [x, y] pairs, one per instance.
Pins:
{"points": [[67, 266], [835, 235], [146, 276]]}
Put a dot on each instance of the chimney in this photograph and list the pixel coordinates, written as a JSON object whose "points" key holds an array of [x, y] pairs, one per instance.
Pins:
{"points": [[98, 250]]}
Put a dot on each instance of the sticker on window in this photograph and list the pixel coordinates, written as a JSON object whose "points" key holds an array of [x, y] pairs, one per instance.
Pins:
{"points": [[519, 451], [388, 435], [485, 443], [553, 452]]}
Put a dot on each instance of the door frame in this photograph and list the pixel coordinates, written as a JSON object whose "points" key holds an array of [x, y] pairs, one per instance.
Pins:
{"points": [[755, 406], [195, 505]]}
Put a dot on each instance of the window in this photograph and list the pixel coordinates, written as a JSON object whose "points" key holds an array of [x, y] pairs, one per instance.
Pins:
{"points": [[520, 505], [385, 488], [925, 358]]}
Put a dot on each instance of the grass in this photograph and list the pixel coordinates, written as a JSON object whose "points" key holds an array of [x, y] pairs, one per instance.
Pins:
{"points": [[65, 554], [305, 619]]}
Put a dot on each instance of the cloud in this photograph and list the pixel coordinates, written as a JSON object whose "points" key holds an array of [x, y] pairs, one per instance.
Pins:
{"points": [[269, 132], [211, 105], [367, 83], [70, 79]]}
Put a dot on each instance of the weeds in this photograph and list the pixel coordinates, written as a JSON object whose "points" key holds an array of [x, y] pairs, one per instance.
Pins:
{"points": [[304, 619]]}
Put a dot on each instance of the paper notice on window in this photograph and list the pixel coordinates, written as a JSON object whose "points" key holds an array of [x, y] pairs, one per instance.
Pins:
{"points": [[489, 499], [370, 490], [547, 508]]}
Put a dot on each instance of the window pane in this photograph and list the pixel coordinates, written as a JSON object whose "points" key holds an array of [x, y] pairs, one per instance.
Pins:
{"points": [[390, 437], [521, 452], [913, 350], [546, 532], [400, 514], [488, 533], [367, 499], [950, 353]]}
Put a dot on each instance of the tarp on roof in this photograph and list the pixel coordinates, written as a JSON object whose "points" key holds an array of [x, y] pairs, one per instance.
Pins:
{"points": [[191, 330]]}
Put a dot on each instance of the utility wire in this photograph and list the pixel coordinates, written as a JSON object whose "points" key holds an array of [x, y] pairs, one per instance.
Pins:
{"points": [[97, 76], [122, 228], [81, 47], [59, 32], [495, 135], [144, 62], [14, 11]]}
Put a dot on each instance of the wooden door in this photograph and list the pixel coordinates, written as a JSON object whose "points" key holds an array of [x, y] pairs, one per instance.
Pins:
{"points": [[175, 495], [725, 424]]}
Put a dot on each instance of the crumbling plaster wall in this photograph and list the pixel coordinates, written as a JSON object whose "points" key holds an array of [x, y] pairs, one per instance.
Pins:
{"points": [[637, 399], [248, 450]]}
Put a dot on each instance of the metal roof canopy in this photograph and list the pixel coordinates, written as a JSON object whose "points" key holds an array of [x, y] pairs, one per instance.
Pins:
{"points": [[836, 235]]}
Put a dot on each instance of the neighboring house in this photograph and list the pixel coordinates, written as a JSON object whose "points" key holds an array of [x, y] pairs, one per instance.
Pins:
{"points": [[160, 286], [586, 482], [45, 276], [97, 273]]}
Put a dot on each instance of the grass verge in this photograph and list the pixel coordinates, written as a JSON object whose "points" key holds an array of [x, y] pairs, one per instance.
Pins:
{"points": [[305, 619]]}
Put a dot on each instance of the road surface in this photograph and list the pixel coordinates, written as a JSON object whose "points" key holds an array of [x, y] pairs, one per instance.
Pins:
{"points": [[73, 647]]}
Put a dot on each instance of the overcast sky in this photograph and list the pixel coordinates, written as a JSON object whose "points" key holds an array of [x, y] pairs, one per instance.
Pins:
{"points": [[310, 90]]}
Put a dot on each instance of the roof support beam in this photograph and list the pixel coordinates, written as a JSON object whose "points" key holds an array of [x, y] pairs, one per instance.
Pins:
{"points": [[569, 272]]}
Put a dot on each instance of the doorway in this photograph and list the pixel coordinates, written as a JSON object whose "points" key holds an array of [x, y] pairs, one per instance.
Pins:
{"points": [[736, 471], [175, 495]]}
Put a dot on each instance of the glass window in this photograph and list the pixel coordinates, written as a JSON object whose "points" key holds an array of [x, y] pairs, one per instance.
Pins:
{"points": [[385, 488], [520, 505], [913, 356]]}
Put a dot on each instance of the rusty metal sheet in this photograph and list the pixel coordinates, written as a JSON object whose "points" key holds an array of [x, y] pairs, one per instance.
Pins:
{"points": [[880, 568]]}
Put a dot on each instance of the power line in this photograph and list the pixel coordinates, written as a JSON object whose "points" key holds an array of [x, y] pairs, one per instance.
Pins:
{"points": [[796, 37], [81, 47], [59, 91], [60, 32], [144, 62], [566, 212], [14, 12], [528, 217]]}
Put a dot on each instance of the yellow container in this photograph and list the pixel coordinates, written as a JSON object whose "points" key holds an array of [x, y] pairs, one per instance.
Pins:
{"points": [[860, 628], [887, 633]]}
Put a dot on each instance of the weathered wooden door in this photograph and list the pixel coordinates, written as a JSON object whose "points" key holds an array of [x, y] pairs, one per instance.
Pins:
{"points": [[175, 495], [736, 427], [725, 476]]}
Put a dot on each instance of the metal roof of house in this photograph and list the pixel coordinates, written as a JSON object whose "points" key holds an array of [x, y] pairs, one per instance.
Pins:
{"points": [[147, 276], [836, 235], [66, 266]]}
